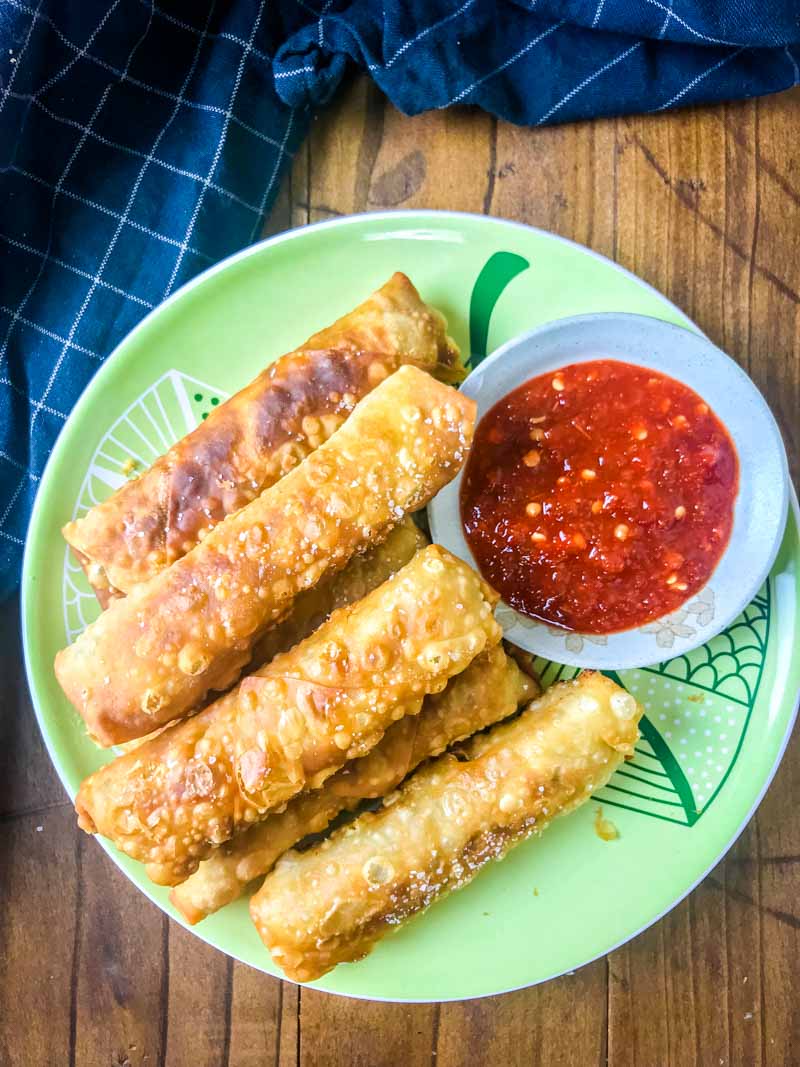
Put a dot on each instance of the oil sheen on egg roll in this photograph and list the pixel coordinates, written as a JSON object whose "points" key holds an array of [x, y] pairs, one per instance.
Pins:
{"points": [[332, 903], [490, 689], [155, 654], [295, 722], [254, 438]]}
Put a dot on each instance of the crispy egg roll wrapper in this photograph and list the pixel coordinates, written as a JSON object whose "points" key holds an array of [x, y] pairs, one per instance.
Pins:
{"points": [[257, 436], [154, 655], [295, 722], [332, 903], [361, 575], [490, 689]]}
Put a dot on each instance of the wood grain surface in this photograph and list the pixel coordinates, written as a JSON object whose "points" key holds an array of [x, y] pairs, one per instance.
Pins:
{"points": [[703, 204]]}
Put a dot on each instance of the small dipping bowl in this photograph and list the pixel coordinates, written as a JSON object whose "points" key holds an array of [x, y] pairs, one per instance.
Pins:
{"points": [[760, 508]]}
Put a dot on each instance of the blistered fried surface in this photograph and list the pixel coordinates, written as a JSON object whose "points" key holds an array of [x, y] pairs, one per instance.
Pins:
{"points": [[155, 654], [361, 575], [491, 688], [294, 723], [332, 903], [257, 436]]}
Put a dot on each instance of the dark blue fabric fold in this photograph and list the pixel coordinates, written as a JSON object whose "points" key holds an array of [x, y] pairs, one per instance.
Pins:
{"points": [[140, 143], [547, 61]]}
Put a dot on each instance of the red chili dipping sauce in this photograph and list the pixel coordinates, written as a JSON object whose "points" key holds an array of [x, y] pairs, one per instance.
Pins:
{"points": [[600, 496]]}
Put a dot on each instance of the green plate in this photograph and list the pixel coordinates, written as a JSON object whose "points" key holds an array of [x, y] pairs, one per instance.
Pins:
{"points": [[717, 719]]}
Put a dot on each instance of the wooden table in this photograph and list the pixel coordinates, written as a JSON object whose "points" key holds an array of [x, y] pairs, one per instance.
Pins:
{"points": [[703, 204]]}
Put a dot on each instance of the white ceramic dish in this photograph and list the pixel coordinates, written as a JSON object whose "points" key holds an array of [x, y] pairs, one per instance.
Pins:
{"points": [[761, 506]]}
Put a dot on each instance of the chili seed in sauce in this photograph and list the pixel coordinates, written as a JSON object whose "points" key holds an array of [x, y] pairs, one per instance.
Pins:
{"points": [[639, 477]]}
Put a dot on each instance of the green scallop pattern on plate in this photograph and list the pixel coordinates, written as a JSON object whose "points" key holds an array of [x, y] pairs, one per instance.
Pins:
{"points": [[676, 811]]}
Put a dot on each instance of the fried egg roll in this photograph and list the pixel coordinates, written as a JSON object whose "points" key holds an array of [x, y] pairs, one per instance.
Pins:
{"points": [[490, 689], [332, 903], [254, 438], [154, 655], [294, 723], [361, 575]]}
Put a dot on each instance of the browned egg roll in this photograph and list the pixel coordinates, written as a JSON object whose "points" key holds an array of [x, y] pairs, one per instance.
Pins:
{"points": [[249, 442], [490, 689], [155, 654], [295, 722], [332, 903]]}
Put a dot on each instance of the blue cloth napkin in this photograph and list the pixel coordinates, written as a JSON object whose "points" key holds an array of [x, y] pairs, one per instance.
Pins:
{"points": [[141, 143]]}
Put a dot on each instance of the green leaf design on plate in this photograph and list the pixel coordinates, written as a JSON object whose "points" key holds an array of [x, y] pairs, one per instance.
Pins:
{"points": [[496, 273], [653, 782], [698, 707], [158, 418]]}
